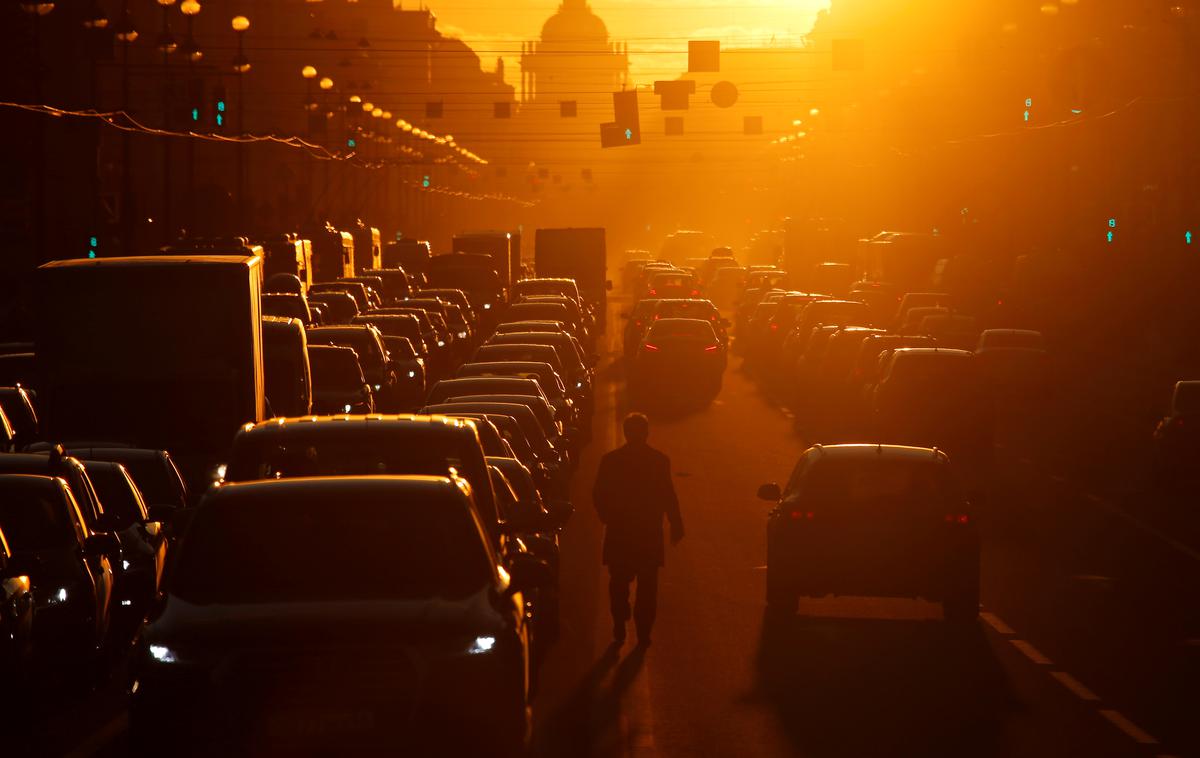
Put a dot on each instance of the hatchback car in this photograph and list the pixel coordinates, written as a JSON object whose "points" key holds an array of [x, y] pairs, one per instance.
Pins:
{"points": [[872, 520]]}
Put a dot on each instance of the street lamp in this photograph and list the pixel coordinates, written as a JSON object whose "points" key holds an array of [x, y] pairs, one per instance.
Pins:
{"points": [[94, 17], [309, 73], [190, 9], [326, 83], [34, 8]]}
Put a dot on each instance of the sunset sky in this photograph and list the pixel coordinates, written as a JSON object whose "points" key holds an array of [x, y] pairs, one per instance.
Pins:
{"points": [[654, 29]]}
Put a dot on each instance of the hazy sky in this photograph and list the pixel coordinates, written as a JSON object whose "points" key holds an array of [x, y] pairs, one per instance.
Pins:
{"points": [[656, 30]]}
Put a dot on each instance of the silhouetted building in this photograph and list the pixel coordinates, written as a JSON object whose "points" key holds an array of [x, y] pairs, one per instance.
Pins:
{"points": [[574, 59]]}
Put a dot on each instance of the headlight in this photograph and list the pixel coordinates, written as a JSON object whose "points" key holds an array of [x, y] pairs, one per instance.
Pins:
{"points": [[124, 565], [163, 654], [217, 473], [378, 387], [462, 335], [441, 343], [412, 374], [578, 385], [347, 408], [487, 306], [58, 596], [481, 645]]}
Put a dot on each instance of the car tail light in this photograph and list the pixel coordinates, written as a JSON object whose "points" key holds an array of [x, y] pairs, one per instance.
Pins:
{"points": [[710, 349], [958, 518], [802, 515], [774, 327], [638, 323], [651, 348], [653, 292], [695, 292]]}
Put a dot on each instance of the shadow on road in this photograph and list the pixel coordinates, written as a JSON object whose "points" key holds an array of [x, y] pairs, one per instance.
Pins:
{"points": [[858, 687], [588, 723]]}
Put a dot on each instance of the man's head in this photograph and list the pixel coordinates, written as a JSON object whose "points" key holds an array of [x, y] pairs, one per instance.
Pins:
{"points": [[637, 428]]}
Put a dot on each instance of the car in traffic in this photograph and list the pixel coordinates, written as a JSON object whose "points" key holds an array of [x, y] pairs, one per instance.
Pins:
{"points": [[872, 520], [339, 385], [322, 614], [678, 357]]}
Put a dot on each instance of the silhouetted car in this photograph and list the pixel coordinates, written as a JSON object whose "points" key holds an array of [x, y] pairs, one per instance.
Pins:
{"points": [[19, 368], [70, 567], [454, 297], [356, 290], [1177, 435], [153, 471], [16, 620], [410, 371], [912, 300], [873, 520], [287, 306], [339, 614], [17, 404], [678, 356], [936, 397], [543, 373], [534, 325], [637, 321], [578, 365], [143, 541], [1014, 360], [672, 284], [338, 382], [338, 306], [365, 446], [287, 377], [448, 389], [544, 443], [377, 368], [396, 284], [517, 352], [693, 308]]}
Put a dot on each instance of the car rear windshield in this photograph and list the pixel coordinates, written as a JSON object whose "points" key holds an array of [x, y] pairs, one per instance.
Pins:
{"points": [[901, 483], [121, 502], [682, 328], [306, 549], [34, 517], [351, 453]]}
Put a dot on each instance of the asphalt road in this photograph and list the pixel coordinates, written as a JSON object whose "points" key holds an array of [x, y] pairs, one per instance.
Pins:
{"points": [[1089, 644]]}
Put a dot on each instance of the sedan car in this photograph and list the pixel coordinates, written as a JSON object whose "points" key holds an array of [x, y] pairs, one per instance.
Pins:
{"points": [[330, 614], [543, 373], [872, 520], [367, 342], [16, 620], [678, 356], [71, 570]]}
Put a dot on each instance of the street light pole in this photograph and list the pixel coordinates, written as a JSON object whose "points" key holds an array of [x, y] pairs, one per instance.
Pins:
{"points": [[126, 33], [309, 73], [166, 45], [240, 66]]}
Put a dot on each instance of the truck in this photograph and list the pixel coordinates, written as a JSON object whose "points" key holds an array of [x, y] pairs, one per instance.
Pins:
{"points": [[407, 253], [579, 254], [287, 254], [332, 253], [504, 250], [161, 352], [368, 247]]}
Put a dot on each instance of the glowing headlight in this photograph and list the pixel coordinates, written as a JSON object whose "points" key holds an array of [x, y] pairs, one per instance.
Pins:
{"points": [[347, 409], [163, 654], [578, 385], [481, 645], [124, 565], [55, 597], [378, 387], [412, 374], [487, 306], [462, 335], [217, 473], [441, 344]]}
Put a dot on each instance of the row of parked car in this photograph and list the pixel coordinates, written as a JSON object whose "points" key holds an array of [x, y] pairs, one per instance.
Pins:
{"points": [[382, 550]]}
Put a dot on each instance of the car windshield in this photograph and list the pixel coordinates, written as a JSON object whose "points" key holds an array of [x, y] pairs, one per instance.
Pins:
{"points": [[308, 549], [335, 368], [34, 517], [122, 502]]}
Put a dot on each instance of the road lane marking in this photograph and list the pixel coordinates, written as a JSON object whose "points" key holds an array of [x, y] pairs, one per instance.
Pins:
{"points": [[1031, 652], [994, 622], [1131, 729], [1074, 685]]}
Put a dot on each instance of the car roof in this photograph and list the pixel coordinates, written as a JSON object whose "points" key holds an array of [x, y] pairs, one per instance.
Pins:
{"points": [[860, 451], [280, 427], [342, 486]]}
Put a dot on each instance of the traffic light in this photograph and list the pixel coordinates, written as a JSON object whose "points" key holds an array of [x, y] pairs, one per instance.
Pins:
{"points": [[220, 109], [626, 129]]}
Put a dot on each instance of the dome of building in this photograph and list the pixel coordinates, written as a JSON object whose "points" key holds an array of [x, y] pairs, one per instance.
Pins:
{"points": [[574, 23]]}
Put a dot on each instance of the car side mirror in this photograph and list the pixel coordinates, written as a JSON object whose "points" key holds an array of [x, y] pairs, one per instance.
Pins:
{"points": [[528, 572], [103, 543], [770, 492]]}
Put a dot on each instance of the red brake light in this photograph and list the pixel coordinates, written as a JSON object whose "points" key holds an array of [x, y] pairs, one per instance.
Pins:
{"points": [[710, 349], [802, 515], [651, 348], [774, 327], [958, 518], [653, 292], [695, 292]]}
